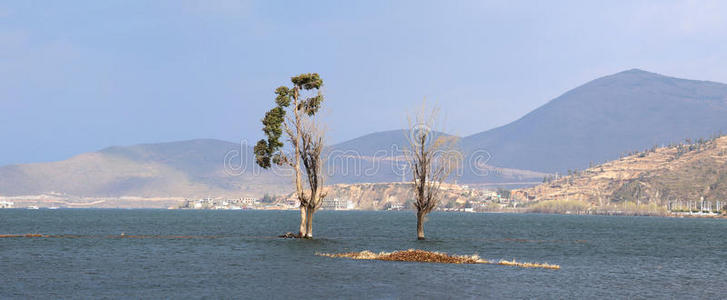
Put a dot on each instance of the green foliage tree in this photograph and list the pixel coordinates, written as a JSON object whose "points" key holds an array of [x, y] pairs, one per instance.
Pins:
{"points": [[294, 115]]}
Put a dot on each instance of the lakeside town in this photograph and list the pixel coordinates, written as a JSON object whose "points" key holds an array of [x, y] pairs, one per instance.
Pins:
{"points": [[500, 200], [369, 196], [378, 197]]}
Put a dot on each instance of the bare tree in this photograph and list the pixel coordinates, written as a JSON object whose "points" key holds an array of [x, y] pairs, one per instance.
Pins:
{"points": [[432, 158], [295, 114]]}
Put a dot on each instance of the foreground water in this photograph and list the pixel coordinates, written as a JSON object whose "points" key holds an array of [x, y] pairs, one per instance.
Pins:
{"points": [[234, 254]]}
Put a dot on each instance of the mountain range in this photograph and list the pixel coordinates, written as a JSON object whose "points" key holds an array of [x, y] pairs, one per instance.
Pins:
{"points": [[595, 122], [194, 168]]}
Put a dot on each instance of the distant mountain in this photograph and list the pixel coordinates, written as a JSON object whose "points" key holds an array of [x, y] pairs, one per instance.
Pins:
{"points": [[206, 167], [366, 159], [388, 143], [631, 110], [370, 144], [379, 157], [185, 169]]}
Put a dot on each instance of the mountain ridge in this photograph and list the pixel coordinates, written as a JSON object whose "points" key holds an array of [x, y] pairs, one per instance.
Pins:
{"points": [[596, 121]]}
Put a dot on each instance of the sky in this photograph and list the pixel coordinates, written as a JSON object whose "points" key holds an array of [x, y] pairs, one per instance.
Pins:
{"points": [[84, 75]]}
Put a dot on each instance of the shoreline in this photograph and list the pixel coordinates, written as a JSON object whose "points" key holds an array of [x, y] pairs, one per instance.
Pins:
{"points": [[677, 215]]}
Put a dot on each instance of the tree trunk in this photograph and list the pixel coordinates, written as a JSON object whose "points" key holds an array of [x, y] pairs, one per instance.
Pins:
{"points": [[420, 226], [309, 224], [303, 222]]}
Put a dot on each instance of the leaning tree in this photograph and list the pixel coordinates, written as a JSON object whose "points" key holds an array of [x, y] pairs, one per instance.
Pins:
{"points": [[432, 158], [294, 115]]}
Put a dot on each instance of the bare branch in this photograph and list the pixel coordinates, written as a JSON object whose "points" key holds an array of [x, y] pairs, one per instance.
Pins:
{"points": [[429, 159]]}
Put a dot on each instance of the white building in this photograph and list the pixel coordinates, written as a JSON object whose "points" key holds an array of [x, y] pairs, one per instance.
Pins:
{"points": [[248, 201], [337, 204], [395, 207]]}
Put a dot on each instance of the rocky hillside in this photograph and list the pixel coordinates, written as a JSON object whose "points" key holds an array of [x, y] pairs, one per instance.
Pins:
{"points": [[670, 177]]}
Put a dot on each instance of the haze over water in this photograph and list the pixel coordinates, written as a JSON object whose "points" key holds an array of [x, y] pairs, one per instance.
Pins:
{"points": [[235, 254]]}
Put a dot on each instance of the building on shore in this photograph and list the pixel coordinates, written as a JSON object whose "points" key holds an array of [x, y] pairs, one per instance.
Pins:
{"points": [[249, 202], [6, 204], [337, 204], [292, 203], [221, 203], [395, 207]]}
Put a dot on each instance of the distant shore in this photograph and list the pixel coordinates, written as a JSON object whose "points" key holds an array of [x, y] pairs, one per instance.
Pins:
{"points": [[160, 205]]}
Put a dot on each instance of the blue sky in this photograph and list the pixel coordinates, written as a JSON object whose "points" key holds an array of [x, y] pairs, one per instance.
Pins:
{"points": [[79, 76]]}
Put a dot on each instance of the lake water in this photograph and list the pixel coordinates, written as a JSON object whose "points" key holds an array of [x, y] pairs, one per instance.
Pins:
{"points": [[233, 254]]}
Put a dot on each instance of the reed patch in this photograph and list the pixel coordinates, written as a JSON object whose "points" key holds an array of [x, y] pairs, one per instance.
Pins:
{"points": [[514, 263]]}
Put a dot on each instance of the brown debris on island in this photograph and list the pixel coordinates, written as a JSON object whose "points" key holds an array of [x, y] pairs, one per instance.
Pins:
{"points": [[431, 257], [413, 255]]}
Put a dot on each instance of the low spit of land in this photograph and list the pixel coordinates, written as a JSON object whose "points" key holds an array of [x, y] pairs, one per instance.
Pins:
{"points": [[413, 255]]}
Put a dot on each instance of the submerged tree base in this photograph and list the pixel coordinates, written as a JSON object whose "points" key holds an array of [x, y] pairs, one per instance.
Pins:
{"points": [[291, 235], [413, 255]]}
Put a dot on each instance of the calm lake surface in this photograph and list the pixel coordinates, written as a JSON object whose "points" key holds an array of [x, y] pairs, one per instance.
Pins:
{"points": [[235, 254]]}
